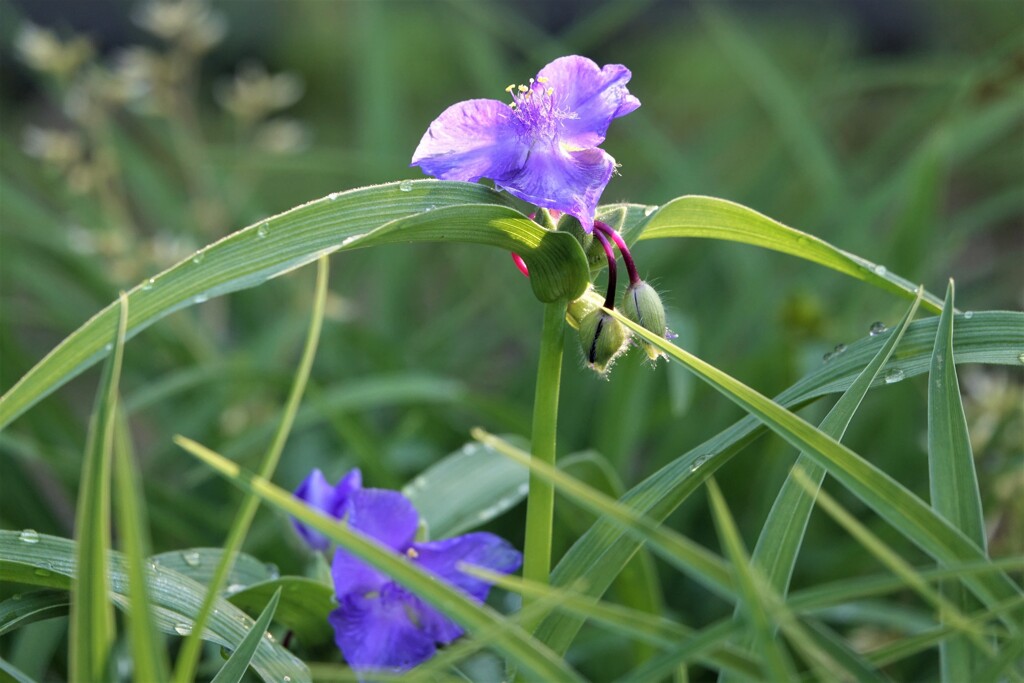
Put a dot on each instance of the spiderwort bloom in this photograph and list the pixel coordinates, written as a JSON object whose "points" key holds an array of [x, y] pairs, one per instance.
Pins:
{"points": [[541, 148], [378, 624]]}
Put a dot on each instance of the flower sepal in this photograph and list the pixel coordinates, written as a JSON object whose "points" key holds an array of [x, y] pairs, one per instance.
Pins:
{"points": [[603, 339]]}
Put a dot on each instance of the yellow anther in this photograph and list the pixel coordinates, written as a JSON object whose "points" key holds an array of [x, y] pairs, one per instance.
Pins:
{"points": [[542, 79], [551, 91], [510, 88], [523, 88], [411, 552]]}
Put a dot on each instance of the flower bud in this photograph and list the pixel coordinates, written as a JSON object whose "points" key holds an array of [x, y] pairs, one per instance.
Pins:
{"points": [[603, 338], [642, 305]]}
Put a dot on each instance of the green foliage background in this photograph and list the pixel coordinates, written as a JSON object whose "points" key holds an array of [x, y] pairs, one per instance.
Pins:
{"points": [[910, 158]]}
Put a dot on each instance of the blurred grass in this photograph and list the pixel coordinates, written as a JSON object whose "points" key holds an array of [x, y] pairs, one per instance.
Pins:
{"points": [[907, 155]]}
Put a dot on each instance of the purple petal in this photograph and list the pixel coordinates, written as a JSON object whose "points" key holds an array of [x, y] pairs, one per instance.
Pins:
{"points": [[387, 517], [570, 181], [353, 576], [480, 549], [377, 632], [318, 493], [436, 625], [594, 95], [471, 140]]}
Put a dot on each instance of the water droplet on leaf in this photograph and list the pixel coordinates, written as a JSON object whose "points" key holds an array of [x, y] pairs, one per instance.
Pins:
{"points": [[183, 629], [880, 270], [263, 230], [698, 462], [877, 328], [649, 210], [148, 284], [272, 571], [41, 572], [29, 536], [191, 558], [894, 375], [334, 195], [405, 186], [840, 348], [198, 258], [200, 298], [968, 315]]}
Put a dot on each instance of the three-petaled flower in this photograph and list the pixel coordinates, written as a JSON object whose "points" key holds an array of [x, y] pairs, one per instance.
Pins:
{"points": [[378, 624], [541, 148]]}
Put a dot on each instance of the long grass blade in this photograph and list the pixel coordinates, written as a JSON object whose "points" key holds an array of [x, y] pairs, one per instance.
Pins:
{"points": [[893, 502], [149, 657], [189, 656], [92, 630], [953, 483]]}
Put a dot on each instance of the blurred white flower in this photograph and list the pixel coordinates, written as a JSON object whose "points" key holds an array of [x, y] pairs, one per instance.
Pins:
{"points": [[253, 93], [189, 23], [282, 136], [43, 51]]}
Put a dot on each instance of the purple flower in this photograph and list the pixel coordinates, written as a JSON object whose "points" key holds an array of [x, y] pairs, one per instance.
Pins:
{"points": [[542, 148], [379, 624]]}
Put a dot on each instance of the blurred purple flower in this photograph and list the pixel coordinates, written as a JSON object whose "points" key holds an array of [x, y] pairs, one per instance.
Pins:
{"points": [[378, 624], [542, 148]]}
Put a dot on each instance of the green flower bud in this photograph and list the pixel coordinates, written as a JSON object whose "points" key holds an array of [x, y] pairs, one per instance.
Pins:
{"points": [[603, 338], [642, 305]]}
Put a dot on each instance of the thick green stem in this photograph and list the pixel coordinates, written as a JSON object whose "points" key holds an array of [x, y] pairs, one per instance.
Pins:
{"points": [[540, 506]]}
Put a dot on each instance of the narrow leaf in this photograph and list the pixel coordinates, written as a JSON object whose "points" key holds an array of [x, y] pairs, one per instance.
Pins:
{"points": [[887, 497], [91, 635], [238, 662], [149, 657], [712, 218], [953, 483]]}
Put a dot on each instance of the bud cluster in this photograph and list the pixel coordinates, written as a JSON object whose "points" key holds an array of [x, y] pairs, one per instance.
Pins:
{"points": [[603, 338]]}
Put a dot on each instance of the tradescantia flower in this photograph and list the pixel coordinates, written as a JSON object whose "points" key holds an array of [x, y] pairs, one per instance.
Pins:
{"points": [[541, 148], [379, 625]]}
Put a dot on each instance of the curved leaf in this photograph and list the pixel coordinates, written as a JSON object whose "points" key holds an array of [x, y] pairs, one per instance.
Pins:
{"points": [[49, 562], [710, 217], [238, 662], [410, 211]]}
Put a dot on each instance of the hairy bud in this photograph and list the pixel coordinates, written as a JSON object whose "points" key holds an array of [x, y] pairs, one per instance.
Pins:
{"points": [[642, 305], [603, 338]]}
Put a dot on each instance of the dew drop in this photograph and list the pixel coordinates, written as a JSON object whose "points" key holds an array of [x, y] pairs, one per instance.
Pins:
{"points": [[270, 636], [827, 357], [263, 230], [894, 375], [334, 195], [234, 588], [1020, 357], [880, 270], [198, 258], [405, 186], [877, 328], [109, 346], [350, 239], [840, 348], [286, 679], [41, 572], [698, 462], [183, 629], [16, 596], [200, 298], [272, 571], [29, 536], [148, 284], [968, 315], [649, 210], [191, 558]]}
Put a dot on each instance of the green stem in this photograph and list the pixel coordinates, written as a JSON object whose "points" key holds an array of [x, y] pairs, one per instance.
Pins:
{"points": [[188, 658], [540, 505]]}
